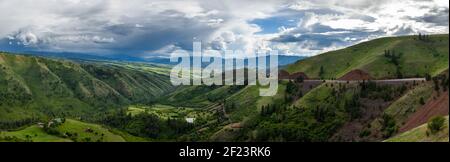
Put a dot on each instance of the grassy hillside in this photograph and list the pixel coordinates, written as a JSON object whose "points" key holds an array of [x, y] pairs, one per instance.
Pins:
{"points": [[33, 87], [96, 133], [410, 102], [419, 135], [199, 96], [31, 134], [414, 58], [135, 85], [69, 131]]}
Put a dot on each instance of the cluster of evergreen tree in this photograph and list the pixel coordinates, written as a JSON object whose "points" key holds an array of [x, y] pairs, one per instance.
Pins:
{"points": [[282, 121], [8, 125], [269, 109], [370, 89], [423, 37], [441, 82], [290, 123], [352, 107], [293, 89], [394, 58], [147, 125], [230, 106], [388, 125]]}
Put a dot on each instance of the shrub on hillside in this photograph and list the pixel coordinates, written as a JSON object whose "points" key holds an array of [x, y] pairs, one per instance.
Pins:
{"points": [[389, 126], [422, 101], [436, 124]]}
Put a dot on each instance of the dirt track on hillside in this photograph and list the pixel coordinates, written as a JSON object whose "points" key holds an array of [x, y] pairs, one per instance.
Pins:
{"points": [[282, 74], [356, 75]]}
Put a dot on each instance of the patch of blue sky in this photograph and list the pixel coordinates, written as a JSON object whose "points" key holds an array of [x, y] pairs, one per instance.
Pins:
{"points": [[273, 24]]}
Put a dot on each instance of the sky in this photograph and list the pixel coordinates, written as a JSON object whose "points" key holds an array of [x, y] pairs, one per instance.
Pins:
{"points": [[155, 28]]}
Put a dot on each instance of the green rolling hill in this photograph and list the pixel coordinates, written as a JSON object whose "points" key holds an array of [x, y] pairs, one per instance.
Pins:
{"points": [[69, 131], [38, 87], [413, 57]]}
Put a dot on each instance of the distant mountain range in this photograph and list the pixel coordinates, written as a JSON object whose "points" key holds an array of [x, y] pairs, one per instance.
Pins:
{"points": [[283, 60]]}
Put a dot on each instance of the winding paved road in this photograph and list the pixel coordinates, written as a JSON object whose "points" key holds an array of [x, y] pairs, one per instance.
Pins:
{"points": [[378, 81]]}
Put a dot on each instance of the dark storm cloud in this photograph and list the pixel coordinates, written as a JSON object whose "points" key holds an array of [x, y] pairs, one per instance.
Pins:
{"points": [[437, 15], [143, 28], [325, 40]]}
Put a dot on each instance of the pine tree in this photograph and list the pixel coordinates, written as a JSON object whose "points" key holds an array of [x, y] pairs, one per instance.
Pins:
{"points": [[321, 72]]}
